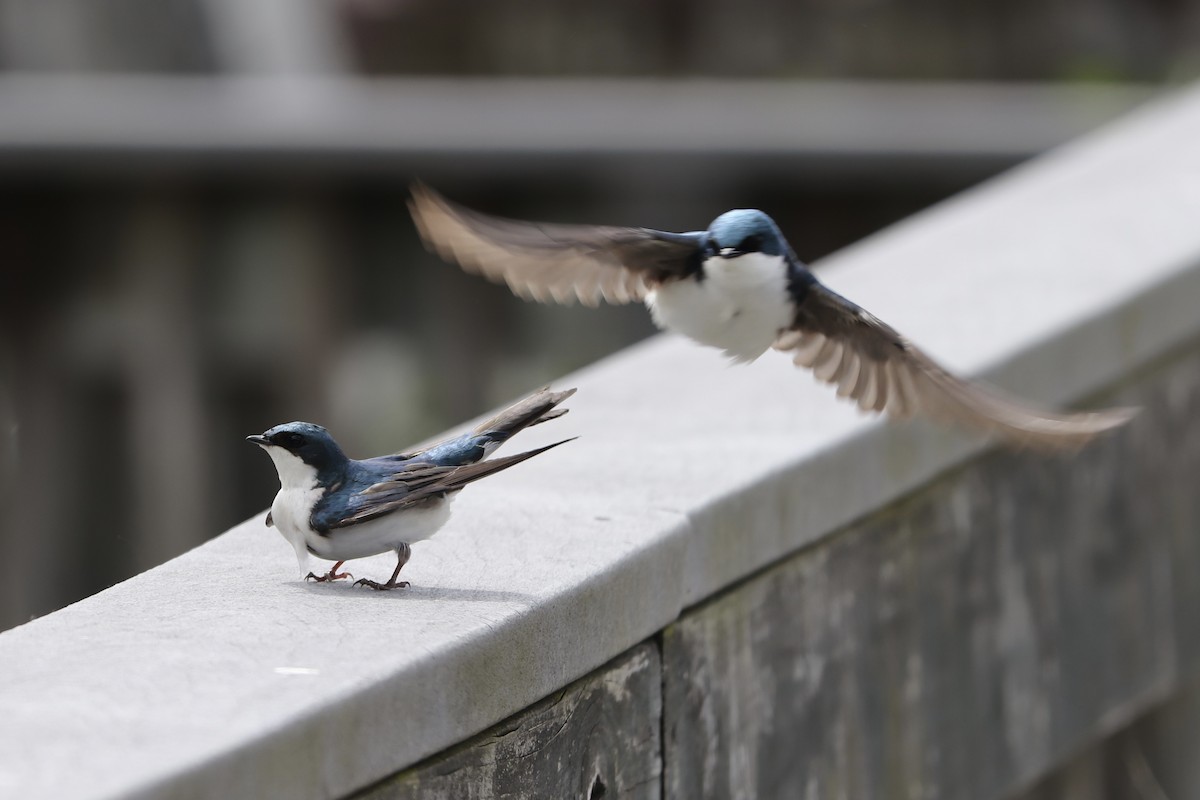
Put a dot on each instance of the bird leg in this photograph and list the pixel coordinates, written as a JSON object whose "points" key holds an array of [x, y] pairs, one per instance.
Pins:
{"points": [[332, 575], [403, 554]]}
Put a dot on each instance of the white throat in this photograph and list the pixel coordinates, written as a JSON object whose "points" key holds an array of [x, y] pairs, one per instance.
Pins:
{"points": [[293, 472], [740, 306], [298, 493]]}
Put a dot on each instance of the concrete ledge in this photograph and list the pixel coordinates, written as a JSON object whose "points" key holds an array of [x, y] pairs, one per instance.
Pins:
{"points": [[986, 632], [963, 642], [227, 676]]}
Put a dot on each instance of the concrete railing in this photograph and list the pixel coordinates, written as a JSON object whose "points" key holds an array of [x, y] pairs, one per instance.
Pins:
{"points": [[730, 585]]}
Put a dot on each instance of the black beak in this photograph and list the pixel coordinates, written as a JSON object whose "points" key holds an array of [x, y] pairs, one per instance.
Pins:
{"points": [[258, 439]]}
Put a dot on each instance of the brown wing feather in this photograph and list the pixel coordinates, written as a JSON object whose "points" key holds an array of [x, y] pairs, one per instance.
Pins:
{"points": [[533, 410], [421, 482], [883, 372], [559, 263]]}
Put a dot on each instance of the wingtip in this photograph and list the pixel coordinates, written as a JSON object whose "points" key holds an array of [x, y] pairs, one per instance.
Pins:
{"points": [[417, 192], [548, 391], [424, 203], [1071, 432], [418, 198], [561, 394], [421, 191], [533, 409], [1097, 422], [554, 398], [1121, 415], [423, 199]]}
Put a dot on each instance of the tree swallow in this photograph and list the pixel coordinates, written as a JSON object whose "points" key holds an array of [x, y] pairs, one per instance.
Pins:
{"points": [[337, 508], [739, 287]]}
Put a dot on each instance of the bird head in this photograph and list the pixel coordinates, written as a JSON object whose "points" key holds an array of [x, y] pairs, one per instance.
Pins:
{"points": [[301, 451], [745, 230]]}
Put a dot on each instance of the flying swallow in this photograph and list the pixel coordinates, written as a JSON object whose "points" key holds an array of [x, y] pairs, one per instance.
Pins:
{"points": [[739, 287]]}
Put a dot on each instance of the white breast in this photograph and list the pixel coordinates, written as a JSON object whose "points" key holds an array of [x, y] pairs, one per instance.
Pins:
{"points": [[382, 534], [299, 492], [740, 307]]}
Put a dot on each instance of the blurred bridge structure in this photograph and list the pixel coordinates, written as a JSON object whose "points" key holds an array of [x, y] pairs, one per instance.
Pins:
{"points": [[204, 232]]}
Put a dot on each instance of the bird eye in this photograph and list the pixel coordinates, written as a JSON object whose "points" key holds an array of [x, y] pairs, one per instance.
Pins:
{"points": [[288, 439]]}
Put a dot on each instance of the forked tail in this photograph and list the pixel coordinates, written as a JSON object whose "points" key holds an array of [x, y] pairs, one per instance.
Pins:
{"points": [[536, 408]]}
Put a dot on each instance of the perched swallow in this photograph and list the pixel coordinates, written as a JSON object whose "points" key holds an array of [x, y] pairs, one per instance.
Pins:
{"points": [[739, 287], [337, 508]]}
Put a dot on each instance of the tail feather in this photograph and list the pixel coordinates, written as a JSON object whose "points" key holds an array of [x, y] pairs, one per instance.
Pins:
{"points": [[418, 483], [481, 442], [470, 473], [549, 415], [536, 408]]}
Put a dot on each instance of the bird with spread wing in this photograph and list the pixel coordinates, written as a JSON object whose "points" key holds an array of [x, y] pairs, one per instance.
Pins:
{"points": [[739, 287]]}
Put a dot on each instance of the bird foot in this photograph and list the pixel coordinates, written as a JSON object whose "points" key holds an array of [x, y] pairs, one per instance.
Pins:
{"points": [[381, 587], [328, 576]]}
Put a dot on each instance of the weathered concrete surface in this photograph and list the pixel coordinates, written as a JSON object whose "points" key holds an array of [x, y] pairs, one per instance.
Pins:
{"points": [[599, 737], [963, 641]]}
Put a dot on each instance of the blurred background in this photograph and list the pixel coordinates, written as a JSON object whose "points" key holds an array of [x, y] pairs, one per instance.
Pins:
{"points": [[203, 228]]}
